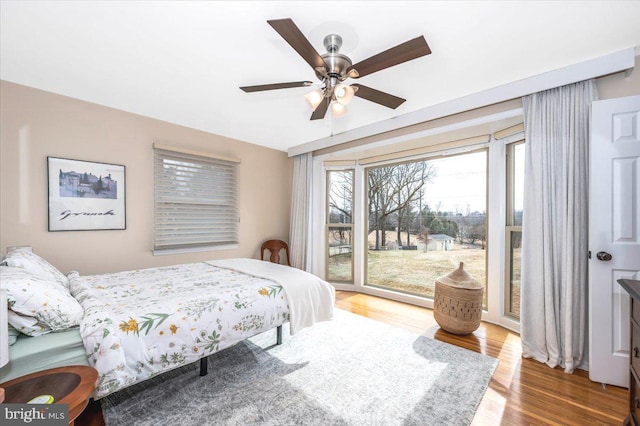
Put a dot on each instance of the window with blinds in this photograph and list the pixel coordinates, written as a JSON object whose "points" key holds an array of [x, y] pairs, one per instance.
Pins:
{"points": [[195, 201]]}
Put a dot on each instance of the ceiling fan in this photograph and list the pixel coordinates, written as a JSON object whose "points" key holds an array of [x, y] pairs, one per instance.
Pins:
{"points": [[332, 68]]}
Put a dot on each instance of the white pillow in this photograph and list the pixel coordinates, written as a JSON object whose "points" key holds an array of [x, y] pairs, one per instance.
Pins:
{"points": [[27, 325], [50, 304], [26, 259]]}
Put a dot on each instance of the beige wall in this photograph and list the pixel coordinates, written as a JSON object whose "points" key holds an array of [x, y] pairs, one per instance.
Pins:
{"points": [[620, 84], [36, 124]]}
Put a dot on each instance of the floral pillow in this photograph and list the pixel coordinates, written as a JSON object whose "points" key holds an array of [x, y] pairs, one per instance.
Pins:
{"points": [[29, 295], [26, 259], [26, 325]]}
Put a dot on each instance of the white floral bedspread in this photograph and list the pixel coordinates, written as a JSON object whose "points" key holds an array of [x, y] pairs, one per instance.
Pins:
{"points": [[310, 298], [140, 323]]}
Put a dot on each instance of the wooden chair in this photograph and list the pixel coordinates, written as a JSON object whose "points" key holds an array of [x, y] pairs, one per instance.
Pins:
{"points": [[274, 247]]}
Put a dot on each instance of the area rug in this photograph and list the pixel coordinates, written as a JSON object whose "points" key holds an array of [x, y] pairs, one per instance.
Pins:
{"points": [[349, 371]]}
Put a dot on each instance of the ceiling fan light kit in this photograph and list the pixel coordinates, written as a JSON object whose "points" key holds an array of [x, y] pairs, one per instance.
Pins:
{"points": [[314, 98], [333, 68], [344, 93], [338, 109]]}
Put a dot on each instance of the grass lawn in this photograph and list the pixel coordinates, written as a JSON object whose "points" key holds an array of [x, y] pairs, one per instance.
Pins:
{"points": [[415, 271]]}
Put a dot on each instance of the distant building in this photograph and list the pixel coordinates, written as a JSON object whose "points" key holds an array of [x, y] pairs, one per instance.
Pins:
{"points": [[74, 184], [70, 179], [440, 242]]}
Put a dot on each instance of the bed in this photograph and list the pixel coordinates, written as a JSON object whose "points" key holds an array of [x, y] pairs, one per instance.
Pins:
{"points": [[137, 324]]}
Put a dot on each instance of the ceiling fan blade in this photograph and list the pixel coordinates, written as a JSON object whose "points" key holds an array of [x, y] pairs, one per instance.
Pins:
{"points": [[275, 86], [377, 96], [292, 35], [321, 109], [404, 52]]}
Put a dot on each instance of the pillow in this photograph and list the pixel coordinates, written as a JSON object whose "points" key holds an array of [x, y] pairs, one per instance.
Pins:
{"points": [[13, 334], [47, 302], [26, 259], [27, 325]]}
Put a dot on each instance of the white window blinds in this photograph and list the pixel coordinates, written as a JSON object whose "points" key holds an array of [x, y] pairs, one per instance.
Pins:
{"points": [[196, 201]]}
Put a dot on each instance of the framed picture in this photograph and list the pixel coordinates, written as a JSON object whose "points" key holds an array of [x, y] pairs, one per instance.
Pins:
{"points": [[85, 195]]}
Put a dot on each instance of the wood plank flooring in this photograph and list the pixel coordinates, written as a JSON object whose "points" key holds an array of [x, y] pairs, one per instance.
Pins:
{"points": [[521, 392]]}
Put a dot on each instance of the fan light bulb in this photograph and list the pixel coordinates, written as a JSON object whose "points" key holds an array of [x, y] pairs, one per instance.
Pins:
{"points": [[338, 109], [314, 98], [343, 93]]}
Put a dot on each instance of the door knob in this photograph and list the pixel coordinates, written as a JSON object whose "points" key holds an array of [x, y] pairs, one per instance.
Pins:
{"points": [[603, 255]]}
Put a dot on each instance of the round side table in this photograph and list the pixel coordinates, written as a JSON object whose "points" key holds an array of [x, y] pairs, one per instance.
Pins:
{"points": [[72, 385]]}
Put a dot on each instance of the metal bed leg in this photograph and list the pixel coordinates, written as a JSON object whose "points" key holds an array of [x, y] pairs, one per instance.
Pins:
{"points": [[279, 334], [203, 366]]}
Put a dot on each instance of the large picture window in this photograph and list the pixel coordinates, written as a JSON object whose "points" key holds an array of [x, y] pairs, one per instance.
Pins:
{"points": [[396, 219], [195, 201], [424, 218]]}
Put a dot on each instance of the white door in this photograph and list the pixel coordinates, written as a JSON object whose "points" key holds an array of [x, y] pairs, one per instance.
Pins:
{"points": [[614, 234]]}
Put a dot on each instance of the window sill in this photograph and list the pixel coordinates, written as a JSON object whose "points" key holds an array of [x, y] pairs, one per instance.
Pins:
{"points": [[163, 252]]}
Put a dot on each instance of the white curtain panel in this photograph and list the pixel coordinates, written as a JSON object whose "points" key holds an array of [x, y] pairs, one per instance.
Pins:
{"points": [[553, 316], [299, 230]]}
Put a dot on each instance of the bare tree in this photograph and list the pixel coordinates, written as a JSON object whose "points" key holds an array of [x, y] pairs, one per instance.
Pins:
{"points": [[379, 201], [393, 189], [340, 188], [423, 237], [340, 196], [477, 228]]}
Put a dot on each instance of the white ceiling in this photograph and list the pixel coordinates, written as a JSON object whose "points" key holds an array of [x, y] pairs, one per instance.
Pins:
{"points": [[183, 62]]}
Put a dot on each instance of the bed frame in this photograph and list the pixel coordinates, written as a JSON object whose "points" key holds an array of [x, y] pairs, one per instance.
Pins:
{"points": [[203, 360], [32, 354]]}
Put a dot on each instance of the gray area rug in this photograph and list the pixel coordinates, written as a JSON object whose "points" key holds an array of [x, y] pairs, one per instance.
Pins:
{"points": [[349, 371]]}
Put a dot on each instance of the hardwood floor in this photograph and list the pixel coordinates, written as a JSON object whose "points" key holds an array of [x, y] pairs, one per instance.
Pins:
{"points": [[521, 392]]}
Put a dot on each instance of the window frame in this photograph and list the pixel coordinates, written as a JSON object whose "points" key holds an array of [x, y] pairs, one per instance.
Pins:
{"points": [[496, 211], [510, 227], [328, 224], [432, 155]]}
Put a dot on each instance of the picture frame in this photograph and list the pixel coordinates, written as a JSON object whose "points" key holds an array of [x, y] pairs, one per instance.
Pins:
{"points": [[85, 195]]}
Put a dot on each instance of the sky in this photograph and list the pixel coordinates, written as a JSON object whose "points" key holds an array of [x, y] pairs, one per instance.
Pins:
{"points": [[460, 183]]}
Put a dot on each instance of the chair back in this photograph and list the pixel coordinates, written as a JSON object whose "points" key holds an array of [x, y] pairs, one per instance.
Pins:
{"points": [[274, 247]]}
